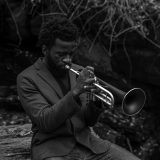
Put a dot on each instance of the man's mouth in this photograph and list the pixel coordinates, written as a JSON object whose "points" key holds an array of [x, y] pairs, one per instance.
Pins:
{"points": [[62, 64], [67, 61]]}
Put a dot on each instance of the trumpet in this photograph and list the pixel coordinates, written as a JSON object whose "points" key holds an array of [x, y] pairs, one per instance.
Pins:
{"points": [[131, 102]]}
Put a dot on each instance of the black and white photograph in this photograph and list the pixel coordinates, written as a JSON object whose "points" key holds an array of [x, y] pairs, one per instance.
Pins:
{"points": [[79, 80]]}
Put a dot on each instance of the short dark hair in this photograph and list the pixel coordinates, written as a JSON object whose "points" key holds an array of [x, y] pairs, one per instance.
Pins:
{"points": [[57, 27]]}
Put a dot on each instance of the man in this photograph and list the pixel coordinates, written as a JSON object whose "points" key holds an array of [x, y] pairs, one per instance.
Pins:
{"points": [[56, 102]]}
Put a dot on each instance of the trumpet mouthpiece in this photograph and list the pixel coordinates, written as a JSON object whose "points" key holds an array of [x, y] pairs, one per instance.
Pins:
{"points": [[67, 66]]}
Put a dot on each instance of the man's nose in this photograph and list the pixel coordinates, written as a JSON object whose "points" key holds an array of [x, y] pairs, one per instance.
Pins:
{"points": [[67, 59]]}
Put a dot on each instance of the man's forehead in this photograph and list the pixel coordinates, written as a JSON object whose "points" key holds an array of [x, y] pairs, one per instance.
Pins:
{"points": [[66, 44]]}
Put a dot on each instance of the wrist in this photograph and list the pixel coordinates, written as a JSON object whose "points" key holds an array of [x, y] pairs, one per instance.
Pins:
{"points": [[75, 93]]}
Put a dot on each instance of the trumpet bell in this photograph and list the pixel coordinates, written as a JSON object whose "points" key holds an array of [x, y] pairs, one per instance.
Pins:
{"points": [[133, 101]]}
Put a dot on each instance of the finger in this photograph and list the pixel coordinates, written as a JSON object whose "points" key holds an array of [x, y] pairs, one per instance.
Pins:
{"points": [[89, 81], [93, 97], [91, 71], [90, 68], [95, 90], [88, 71], [85, 72], [88, 88]]}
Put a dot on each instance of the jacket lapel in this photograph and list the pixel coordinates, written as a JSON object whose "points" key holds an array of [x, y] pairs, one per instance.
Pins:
{"points": [[44, 73]]}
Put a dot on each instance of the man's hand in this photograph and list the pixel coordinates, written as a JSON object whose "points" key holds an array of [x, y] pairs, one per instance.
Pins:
{"points": [[84, 81], [93, 99]]}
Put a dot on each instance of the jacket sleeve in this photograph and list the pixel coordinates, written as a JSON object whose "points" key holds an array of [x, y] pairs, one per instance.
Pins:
{"points": [[46, 116], [92, 112]]}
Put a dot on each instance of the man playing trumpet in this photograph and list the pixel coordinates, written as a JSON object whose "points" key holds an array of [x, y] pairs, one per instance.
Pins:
{"points": [[55, 100]]}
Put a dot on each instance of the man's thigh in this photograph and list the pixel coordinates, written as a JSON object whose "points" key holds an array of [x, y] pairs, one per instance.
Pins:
{"points": [[55, 158], [114, 152], [119, 153]]}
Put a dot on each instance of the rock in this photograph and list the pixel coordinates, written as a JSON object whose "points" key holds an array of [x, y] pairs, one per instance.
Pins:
{"points": [[15, 142]]}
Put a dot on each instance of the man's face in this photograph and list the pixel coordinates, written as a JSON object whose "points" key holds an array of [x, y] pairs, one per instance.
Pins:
{"points": [[61, 53]]}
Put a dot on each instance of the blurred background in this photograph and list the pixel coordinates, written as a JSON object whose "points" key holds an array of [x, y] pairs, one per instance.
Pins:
{"points": [[120, 38]]}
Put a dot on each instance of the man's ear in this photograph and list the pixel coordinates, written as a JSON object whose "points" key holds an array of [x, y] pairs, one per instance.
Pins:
{"points": [[44, 49]]}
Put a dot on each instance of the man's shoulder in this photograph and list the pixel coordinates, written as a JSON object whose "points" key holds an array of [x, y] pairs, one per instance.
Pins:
{"points": [[28, 73]]}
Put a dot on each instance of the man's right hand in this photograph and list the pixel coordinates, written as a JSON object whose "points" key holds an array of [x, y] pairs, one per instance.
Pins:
{"points": [[85, 81]]}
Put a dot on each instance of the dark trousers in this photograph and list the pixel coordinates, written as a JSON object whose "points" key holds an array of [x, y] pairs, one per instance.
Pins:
{"points": [[114, 152]]}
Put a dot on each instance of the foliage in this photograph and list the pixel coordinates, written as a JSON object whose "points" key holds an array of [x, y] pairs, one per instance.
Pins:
{"points": [[97, 19], [111, 19]]}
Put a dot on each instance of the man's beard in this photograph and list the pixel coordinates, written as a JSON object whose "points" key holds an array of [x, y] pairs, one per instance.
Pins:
{"points": [[56, 70]]}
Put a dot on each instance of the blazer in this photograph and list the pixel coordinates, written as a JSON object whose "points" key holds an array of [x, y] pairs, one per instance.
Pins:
{"points": [[58, 121]]}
